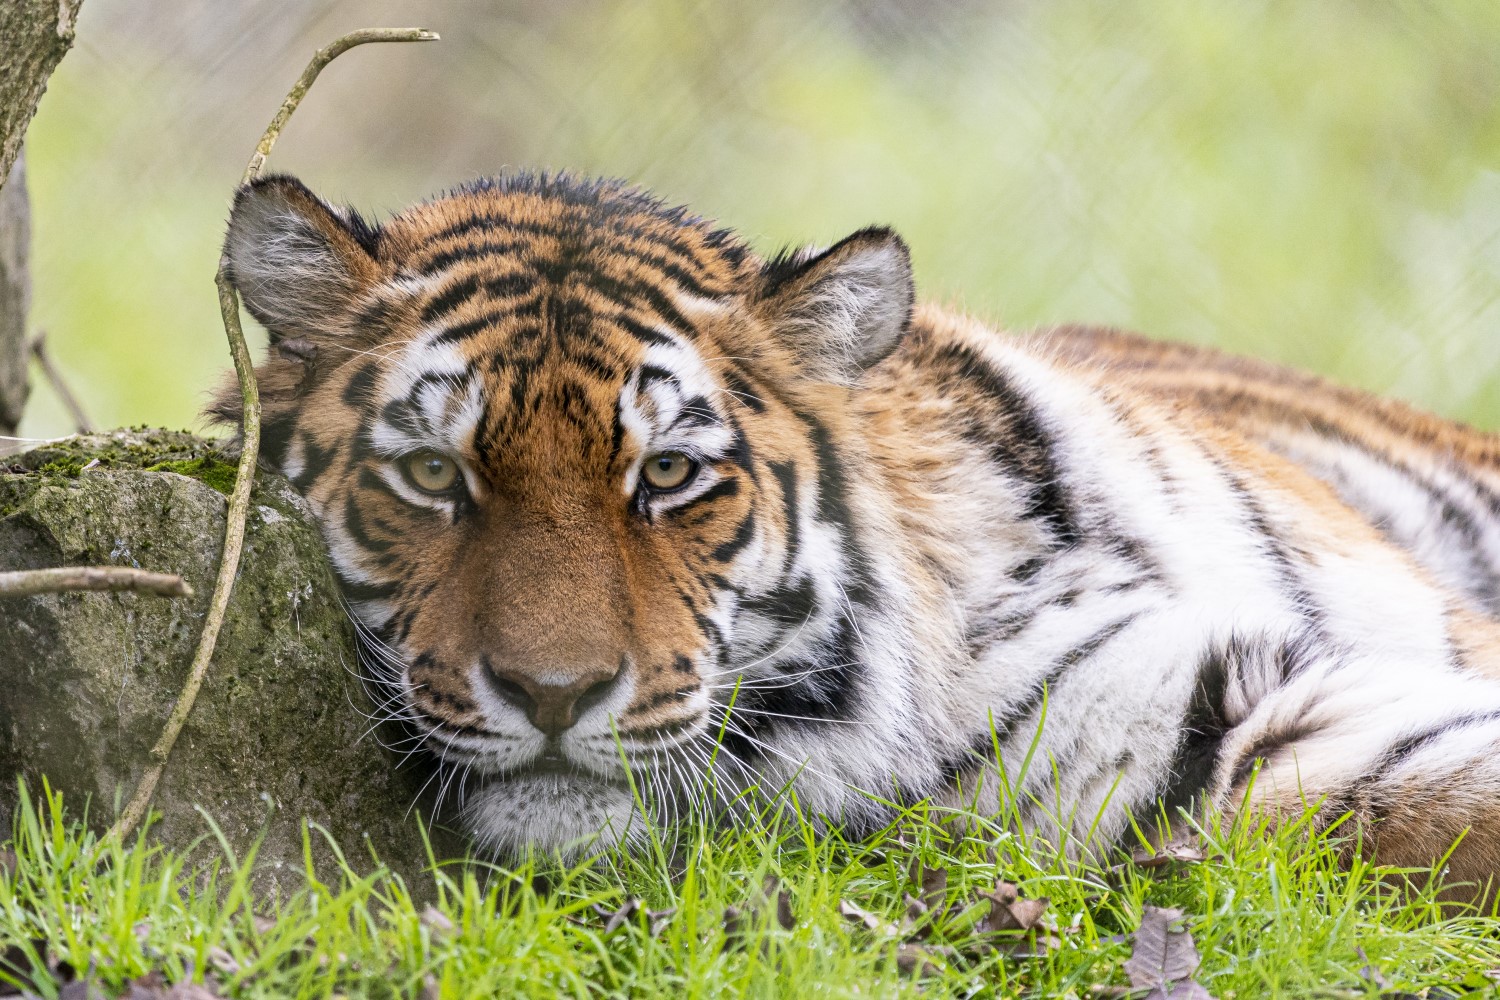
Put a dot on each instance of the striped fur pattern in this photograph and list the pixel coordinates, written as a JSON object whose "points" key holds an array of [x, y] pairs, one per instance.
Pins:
{"points": [[907, 552]]}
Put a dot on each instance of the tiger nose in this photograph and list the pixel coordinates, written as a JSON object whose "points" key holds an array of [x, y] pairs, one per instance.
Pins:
{"points": [[552, 708]]}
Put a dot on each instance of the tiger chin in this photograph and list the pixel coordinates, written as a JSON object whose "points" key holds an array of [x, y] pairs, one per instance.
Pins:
{"points": [[633, 520]]}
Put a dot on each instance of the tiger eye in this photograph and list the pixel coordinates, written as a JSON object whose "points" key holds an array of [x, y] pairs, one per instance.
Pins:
{"points": [[431, 472], [669, 470]]}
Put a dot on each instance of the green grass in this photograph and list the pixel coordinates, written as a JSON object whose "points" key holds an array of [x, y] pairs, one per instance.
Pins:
{"points": [[1273, 915]]}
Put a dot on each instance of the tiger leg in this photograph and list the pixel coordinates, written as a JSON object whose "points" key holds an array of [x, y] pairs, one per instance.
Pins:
{"points": [[1410, 762]]}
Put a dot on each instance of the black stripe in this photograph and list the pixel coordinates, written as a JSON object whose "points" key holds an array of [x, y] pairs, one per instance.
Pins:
{"points": [[654, 373], [357, 591], [1054, 673], [315, 461], [1022, 446], [786, 478], [742, 535], [472, 251], [1401, 752], [354, 525], [359, 391], [1274, 546], [450, 297], [727, 487], [276, 438], [463, 331], [696, 412], [1268, 744], [1203, 729], [640, 331], [789, 606], [741, 390]]}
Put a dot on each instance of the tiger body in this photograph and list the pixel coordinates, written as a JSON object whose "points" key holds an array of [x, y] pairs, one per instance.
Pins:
{"points": [[906, 553]]}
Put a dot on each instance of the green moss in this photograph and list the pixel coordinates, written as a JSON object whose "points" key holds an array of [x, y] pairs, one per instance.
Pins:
{"points": [[134, 449], [208, 469]]}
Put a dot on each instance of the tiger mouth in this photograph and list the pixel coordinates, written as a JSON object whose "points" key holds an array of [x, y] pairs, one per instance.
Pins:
{"points": [[556, 767]]}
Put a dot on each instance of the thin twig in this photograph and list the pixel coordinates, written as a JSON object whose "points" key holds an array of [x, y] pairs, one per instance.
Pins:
{"points": [[244, 367], [26, 582], [59, 384]]}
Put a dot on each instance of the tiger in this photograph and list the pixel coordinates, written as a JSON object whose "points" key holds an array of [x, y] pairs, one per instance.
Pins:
{"points": [[635, 521]]}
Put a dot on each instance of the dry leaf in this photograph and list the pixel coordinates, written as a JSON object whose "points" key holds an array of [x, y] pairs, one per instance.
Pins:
{"points": [[436, 921], [1164, 958], [1369, 973], [8, 862], [615, 919], [771, 889], [914, 960], [1009, 912], [657, 920], [933, 884], [1183, 849], [223, 961], [734, 927], [191, 991], [875, 923]]}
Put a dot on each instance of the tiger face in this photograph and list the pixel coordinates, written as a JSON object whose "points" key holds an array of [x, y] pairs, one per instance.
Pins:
{"points": [[575, 457]]}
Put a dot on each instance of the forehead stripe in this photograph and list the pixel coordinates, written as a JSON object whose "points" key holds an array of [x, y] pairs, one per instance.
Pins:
{"points": [[644, 333]]}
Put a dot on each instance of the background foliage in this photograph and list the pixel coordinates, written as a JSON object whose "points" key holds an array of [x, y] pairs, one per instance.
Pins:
{"points": [[1314, 183]]}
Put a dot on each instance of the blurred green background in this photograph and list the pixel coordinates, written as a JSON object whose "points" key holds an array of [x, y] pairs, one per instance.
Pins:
{"points": [[1311, 182]]}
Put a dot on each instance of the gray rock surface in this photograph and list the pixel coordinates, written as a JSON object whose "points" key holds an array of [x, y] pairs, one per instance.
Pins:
{"points": [[279, 731]]}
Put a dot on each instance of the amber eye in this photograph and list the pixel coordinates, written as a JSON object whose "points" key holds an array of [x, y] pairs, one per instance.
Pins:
{"points": [[668, 471], [431, 472]]}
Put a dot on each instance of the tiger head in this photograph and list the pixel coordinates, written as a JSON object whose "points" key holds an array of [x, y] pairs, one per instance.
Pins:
{"points": [[580, 462]]}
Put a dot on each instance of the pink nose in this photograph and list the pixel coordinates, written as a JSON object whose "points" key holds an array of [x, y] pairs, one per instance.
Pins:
{"points": [[552, 708]]}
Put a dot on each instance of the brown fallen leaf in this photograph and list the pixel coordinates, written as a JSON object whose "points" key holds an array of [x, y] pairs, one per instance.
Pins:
{"points": [[772, 889], [915, 960], [879, 925], [932, 885], [734, 926], [657, 920], [436, 921], [615, 919], [8, 862], [1165, 958], [223, 961], [1010, 912], [1184, 849]]}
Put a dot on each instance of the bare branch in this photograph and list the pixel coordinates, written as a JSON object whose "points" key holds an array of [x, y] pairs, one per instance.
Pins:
{"points": [[244, 367], [28, 582], [59, 385]]}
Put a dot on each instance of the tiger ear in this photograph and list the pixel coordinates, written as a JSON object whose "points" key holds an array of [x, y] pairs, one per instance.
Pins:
{"points": [[843, 309], [298, 263]]}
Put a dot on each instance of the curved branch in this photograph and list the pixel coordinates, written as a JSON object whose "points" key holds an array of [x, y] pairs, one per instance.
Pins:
{"points": [[244, 367]]}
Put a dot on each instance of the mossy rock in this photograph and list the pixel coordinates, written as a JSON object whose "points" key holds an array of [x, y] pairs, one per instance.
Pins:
{"points": [[280, 731]]}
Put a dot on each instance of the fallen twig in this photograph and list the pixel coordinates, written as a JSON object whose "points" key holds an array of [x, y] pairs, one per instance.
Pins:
{"points": [[59, 385], [244, 367], [27, 582]]}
